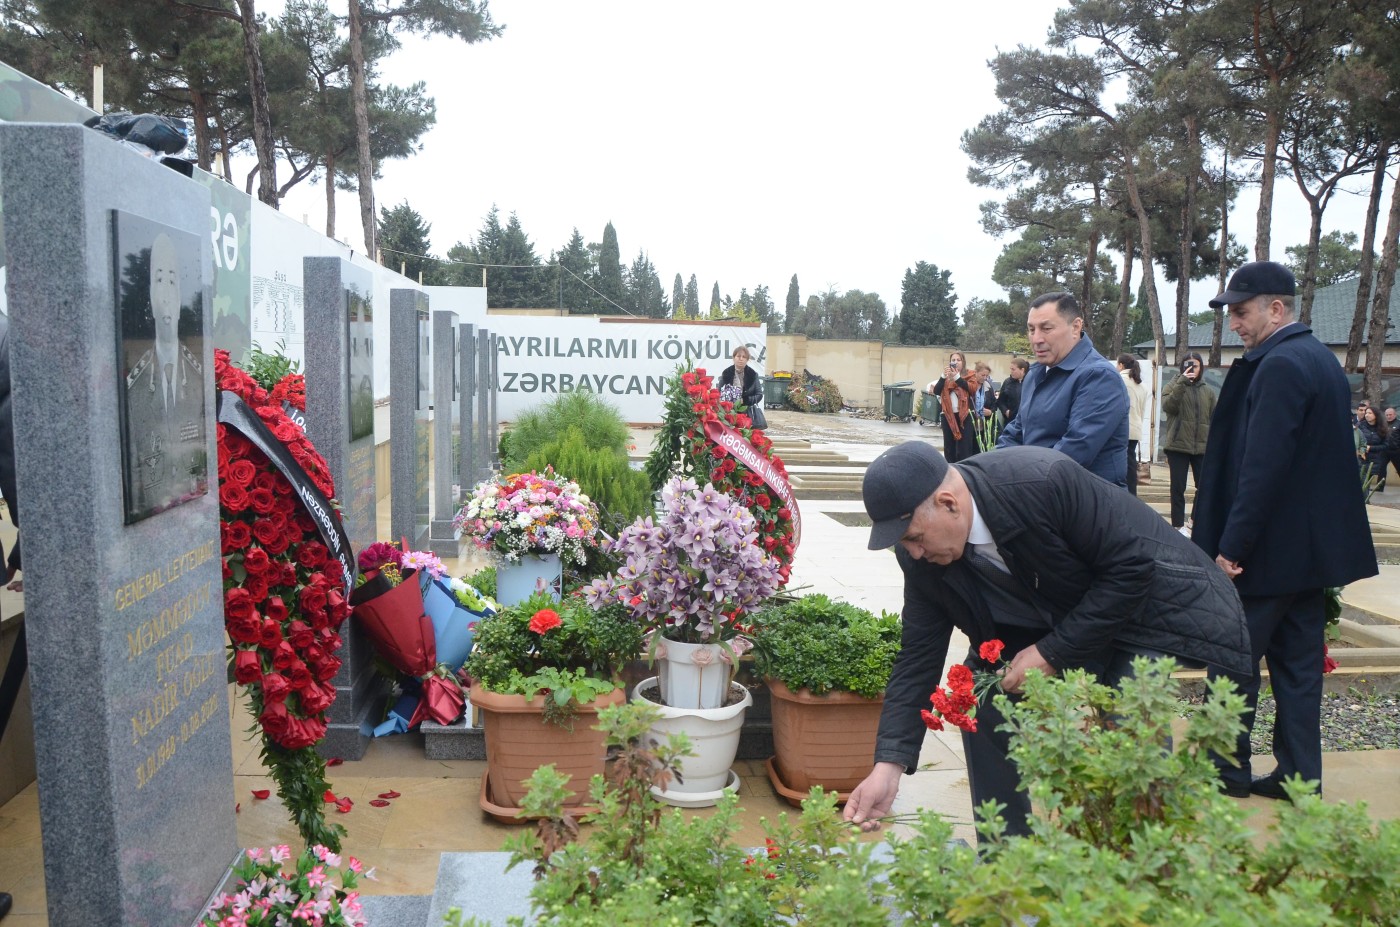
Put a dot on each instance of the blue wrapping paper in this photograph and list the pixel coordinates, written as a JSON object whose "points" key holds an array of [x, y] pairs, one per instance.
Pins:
{"points": [[452, 623], [399, 715]]}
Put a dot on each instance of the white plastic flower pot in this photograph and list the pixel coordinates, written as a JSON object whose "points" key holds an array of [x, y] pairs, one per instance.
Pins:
{"points": [[693, 675], [714, 739]]}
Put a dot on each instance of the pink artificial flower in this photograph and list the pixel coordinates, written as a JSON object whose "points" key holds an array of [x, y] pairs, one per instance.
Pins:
{"points": [[280, 853], [316, 877]]}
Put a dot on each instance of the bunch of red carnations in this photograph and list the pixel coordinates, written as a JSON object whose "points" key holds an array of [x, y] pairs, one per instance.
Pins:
{"points": [[957, 705]]}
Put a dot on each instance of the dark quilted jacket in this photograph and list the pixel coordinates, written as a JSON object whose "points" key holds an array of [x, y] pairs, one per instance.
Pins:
{"points": [[1106, 567]]}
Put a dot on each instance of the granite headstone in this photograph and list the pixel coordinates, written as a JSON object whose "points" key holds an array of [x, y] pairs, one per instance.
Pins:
{"points": [[493, 433], [339, 307], [125, 621], [484, 347], [446, 438], [466, 403], [410, 417]]}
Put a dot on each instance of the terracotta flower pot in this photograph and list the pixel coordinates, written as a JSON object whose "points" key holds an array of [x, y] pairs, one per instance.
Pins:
{"points": [[519, 741], [826, 740]]}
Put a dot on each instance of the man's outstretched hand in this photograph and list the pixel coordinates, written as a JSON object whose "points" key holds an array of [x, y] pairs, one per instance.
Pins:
{"points": [[873, 798]]}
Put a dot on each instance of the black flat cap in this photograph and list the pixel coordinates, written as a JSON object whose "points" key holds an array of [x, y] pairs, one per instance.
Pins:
{"points": [[895, 484]]}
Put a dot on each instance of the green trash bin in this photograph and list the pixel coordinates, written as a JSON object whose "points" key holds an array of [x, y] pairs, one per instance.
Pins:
{"points": [[929, 408], [899, 400], [774, 392]]}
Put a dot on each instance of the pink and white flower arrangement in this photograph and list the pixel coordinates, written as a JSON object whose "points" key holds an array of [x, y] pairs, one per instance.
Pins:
{"points": [[268, 896], [531, 513], [693, 571]]}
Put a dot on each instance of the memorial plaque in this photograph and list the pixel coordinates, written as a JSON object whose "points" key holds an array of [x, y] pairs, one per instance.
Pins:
{"points": [[125, 618], [160, 307]]}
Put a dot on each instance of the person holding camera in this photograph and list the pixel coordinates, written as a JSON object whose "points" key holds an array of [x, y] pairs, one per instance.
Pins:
{"points": [[1189, 405], [955, 391]]}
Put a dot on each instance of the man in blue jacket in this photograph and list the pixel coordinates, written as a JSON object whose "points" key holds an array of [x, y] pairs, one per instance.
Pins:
{"points": [[1073, 399], [1280, 508]]}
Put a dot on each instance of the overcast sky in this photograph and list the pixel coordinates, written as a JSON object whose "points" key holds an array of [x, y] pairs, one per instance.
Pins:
{"points": [[738, 140]]}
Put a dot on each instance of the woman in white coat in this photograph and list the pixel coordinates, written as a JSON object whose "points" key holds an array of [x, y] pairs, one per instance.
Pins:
{"points": [[1138, 401]]}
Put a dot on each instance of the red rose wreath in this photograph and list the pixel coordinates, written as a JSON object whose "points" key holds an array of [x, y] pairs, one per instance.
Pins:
{"points": [[283, 595], [693, 417]]}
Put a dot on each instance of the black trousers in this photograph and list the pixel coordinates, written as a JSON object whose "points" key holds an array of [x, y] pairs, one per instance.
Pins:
{"points": [[991, 775], [955, 449], [1132, 466], [1289, 631], [1177, 462]]}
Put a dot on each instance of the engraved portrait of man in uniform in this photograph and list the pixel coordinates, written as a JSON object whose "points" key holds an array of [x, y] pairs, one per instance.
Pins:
{"points": [[160, 328]]}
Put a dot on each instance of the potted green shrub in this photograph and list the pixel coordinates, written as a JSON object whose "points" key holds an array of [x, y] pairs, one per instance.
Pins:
{"points": [[539, 672], [826, 664]]}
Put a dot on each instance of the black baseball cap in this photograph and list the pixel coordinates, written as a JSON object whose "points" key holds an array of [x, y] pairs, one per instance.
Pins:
{"points": [[895, 484], [1257, 278]]}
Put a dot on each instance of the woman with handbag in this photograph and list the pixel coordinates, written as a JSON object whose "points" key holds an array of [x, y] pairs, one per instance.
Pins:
{"points": [[740, 385]]}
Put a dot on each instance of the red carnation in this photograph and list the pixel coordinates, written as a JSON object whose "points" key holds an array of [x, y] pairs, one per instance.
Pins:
{"points": [[989, 651], [544, 620]]}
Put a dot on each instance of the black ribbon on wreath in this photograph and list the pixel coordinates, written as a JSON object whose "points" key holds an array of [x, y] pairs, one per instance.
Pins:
{"points": [[234, 412]]}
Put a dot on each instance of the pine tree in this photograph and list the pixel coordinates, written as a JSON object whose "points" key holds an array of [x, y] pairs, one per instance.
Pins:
{"points": [[715, 305], [403, 238], [793, 306], [928, 306], [610, 272], [692, 297], [578, 273], [677, 293]]}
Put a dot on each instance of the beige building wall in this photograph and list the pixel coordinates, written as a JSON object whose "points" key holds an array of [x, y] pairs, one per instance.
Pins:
{"points": [[861, 369]]}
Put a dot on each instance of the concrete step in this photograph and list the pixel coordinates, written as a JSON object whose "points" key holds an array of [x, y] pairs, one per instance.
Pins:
{"points": [[396, 910], [479, 885]]}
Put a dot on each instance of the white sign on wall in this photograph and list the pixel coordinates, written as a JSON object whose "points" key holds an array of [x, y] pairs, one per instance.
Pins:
{"points": [[626, 363]]}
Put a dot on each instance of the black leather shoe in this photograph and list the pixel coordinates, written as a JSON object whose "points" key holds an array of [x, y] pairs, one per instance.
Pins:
{"points": [[6, 902], [1234, 789], [1269, 786]]}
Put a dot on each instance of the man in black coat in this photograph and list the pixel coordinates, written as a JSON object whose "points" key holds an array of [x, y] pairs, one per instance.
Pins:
{"points": [[1026, 546], [1281, 510]]}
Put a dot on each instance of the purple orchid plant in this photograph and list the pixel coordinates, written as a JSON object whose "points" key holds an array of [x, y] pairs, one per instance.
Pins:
{"points": [[691, 572]]}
